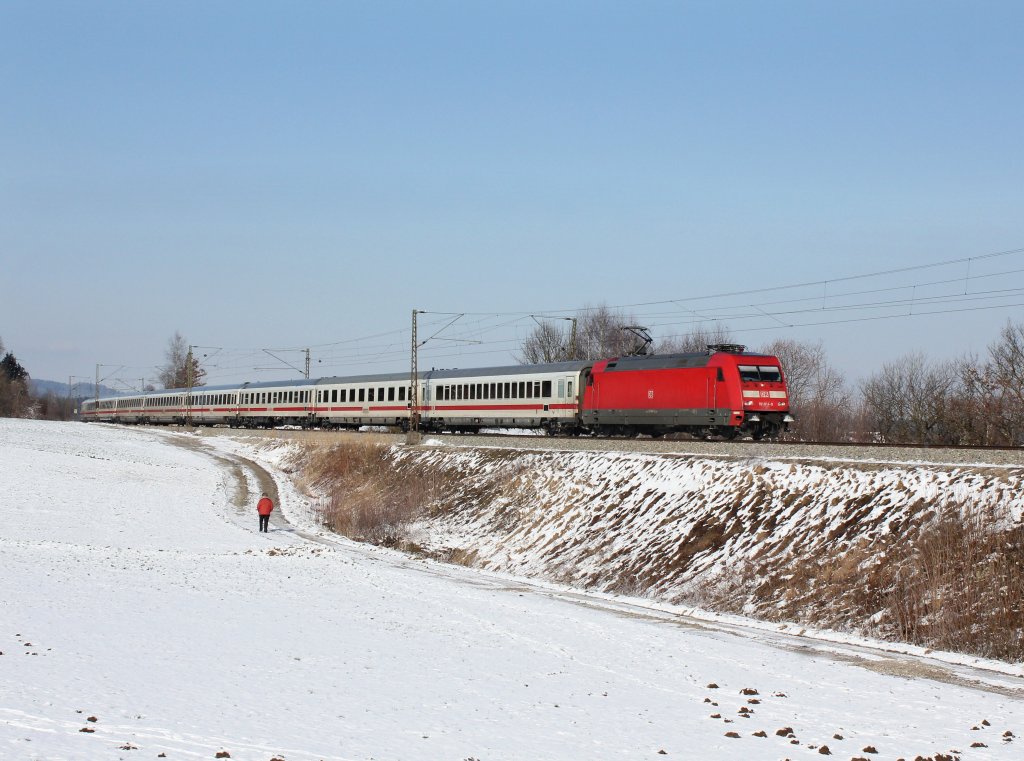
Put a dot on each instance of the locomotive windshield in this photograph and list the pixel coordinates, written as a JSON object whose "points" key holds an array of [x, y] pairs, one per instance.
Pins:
{"points": [[767, 373]]}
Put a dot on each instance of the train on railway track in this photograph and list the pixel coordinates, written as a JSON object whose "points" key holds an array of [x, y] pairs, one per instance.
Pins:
{"points": [[724, 392]]}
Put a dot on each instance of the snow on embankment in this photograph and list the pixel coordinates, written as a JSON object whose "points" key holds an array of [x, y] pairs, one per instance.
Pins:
{"points": [[925, 553], [840, 544]]}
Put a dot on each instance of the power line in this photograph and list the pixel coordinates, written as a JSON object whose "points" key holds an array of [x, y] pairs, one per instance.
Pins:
{"points": [[810, 304]]}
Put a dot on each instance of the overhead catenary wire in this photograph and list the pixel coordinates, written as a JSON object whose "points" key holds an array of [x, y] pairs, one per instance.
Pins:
{"points": [[467, 335]]}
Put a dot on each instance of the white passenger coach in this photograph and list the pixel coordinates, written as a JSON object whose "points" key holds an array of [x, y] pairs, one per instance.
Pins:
{"points": [[528, 396]]}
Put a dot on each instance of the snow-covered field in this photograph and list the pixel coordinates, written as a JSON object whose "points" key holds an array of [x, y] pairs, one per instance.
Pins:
{"points": [[134, 589]]}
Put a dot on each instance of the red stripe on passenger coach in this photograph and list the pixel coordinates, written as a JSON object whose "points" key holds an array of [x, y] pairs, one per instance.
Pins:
{"points": [[489, 407]]}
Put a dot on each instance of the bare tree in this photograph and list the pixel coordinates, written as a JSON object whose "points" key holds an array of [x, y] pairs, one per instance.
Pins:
{"points": [[599, 335], [1006, 371], [990, 407], [978, 408], [817, 395], [697, 340], [911, 400], [175, 372], [547, 343]]}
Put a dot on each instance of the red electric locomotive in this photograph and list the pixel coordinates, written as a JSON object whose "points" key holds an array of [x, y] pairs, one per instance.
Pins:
{"points": [[725, 392], [721, 392]]}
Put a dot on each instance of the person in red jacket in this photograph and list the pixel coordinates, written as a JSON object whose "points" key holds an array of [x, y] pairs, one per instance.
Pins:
{"points": [[264, 507]]}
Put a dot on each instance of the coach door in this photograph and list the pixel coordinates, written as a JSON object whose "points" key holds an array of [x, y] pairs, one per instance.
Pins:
{"points": [[719, 396], [566, 391]]}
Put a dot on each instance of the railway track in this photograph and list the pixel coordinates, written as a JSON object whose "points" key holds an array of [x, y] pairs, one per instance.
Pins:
{"points": [[823, 451], [736, 442]]}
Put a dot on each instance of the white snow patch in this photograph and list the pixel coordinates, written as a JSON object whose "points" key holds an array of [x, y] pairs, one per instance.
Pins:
{"points": [[136, 591]]}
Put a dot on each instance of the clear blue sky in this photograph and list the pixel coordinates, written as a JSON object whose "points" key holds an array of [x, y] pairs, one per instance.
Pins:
{"points": [[261, 175]]}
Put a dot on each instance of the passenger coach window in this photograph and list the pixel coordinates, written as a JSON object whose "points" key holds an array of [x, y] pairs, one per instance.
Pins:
{"points": [[391, 394], [401, 394], [380, 394], [362, 394], [545, 391]]}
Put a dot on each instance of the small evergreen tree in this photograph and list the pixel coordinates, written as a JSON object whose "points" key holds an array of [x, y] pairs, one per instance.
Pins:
{"points": [[15, 400], [12, 369]]}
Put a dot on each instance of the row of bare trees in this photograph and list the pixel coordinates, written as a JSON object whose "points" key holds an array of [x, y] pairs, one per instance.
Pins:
{"points": [[973, 400]]}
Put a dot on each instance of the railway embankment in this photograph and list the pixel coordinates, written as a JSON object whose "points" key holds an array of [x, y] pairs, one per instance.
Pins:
{"points": [[931, 554]]}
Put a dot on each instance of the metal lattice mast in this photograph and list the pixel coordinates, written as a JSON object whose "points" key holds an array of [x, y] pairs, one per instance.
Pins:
{"points": [[188, 384], [414, 416]]}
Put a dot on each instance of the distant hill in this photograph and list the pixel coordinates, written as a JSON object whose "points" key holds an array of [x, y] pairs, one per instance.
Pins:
{"points": [[80, 390]]}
